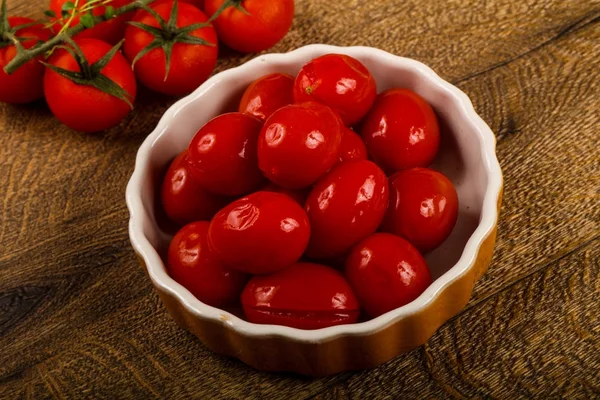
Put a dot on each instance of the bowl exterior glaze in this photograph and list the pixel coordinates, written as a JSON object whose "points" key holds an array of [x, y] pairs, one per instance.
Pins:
{"points": [[471, 165]]}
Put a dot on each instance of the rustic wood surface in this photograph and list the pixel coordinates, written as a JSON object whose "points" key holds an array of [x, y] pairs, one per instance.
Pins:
{"points": [[79, 319]]}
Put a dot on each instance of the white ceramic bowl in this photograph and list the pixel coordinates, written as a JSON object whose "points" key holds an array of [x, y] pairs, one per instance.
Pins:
{"points": [[467, 157]]}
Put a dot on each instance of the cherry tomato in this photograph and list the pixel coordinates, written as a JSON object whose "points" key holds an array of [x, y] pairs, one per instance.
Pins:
{"points": [[261, 26], [261, 233], [298, 195], [401, 131], [196, 3], [111, 31], [298, 144], [190, 64], [193, 265], [26, 84], [352, 147], [223, 155], [423, 207], [339, 81], [303, 296], [183, 199], [82, 107], [386, 272], [268, 94], [345, 206]]}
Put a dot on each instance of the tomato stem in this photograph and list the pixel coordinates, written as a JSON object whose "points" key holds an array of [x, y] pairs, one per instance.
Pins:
{"points": [[226, 4], [4, 26], [91, 75], [25, 55]]}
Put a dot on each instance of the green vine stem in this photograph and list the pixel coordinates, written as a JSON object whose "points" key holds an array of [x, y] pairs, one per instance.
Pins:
{"points": [[25, 55]]}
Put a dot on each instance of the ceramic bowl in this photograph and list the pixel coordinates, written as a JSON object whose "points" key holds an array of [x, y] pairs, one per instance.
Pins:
{"points": [[467, 157]]}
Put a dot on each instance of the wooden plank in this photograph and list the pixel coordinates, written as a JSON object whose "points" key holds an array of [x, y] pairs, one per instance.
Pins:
{"points": [[538, 338], [544, 110], [456, 38], [138, 351], [73, 296]]}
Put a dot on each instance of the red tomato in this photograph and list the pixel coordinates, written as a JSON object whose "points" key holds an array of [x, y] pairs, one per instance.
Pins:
{"points": [[183, 199], [299, 196], [423, 207], [261, 233], [298, 144], [26, 84], [401, 131], [264, 23], [303, 296], [196, 3], [193, 265], [190, 65], [352, 147], [223, 155], [268, 94], [339, 81], [345, 206], [386, 272], [111, 31], [85, 108]]}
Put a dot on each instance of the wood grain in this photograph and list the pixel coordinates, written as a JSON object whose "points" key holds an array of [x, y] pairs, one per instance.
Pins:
{"points": [[78, 317], [522, 343]]}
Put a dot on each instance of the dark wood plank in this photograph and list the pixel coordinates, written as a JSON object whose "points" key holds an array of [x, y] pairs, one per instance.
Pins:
{"points": [[137, 351], [456, 38], [543, 108], [541, 337], [538, 338], [79, 317]]}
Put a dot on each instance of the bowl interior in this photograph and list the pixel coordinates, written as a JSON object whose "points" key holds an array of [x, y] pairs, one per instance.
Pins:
{"points": [[459, 158]]}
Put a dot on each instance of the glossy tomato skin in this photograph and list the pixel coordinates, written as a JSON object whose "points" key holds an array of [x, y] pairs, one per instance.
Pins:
{"points": [[260, 233], [352, 147], [222, 155], [193, 265], [111, 31], [26, 84], [423, 207], [85, 108], [299, 143], [386, 272], [183, 199], [340, 82], [191, 64], [265, 23], [299, 195], [266, 95], [401, 131], [196, 3], [303, 296], [345, 206]]}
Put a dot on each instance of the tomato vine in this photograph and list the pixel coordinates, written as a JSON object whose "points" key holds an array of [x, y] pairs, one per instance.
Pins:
{"points": [[70, 10]]}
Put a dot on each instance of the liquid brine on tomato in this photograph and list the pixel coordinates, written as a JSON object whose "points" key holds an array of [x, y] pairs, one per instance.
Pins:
{"points": [[329, 225], [305, 296]]}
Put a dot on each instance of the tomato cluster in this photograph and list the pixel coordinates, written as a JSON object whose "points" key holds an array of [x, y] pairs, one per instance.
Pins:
{"points": [[170, 47], [325, 202]]}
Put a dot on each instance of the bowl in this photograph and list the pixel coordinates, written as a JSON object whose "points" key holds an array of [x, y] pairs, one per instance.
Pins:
{"points": [[467, 156]]}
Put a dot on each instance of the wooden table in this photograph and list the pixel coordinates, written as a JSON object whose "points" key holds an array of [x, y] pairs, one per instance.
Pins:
{"points": [[79, 318]]}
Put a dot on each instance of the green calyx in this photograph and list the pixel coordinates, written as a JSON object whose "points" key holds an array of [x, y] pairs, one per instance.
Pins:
{"points": [[229, 3], [168, 34], [91, 74]]}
